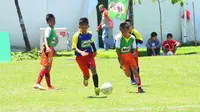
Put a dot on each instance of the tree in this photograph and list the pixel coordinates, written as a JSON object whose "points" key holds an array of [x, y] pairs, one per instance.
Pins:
{"points": [[160, 11], [23, 28]]}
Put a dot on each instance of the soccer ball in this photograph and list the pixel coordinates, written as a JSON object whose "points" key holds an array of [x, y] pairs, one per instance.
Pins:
{"points": [[170, 53], [106, 88]]}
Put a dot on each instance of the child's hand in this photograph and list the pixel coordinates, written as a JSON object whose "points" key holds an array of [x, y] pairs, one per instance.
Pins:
{"points": [[95, 54], [84, 53], [48, 50]]}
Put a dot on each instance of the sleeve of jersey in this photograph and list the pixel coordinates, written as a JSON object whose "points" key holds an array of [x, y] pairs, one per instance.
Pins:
{"points": [[92, 40], [47, 32], [134, 43], [118, 43], [74, 41], [138, 35]]}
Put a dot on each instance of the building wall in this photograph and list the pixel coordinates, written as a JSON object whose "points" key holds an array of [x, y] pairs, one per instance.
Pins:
{"points": [[68, 12], [147, 19]]}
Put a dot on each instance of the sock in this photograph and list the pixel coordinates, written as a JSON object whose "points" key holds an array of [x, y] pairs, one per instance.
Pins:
{"points": [[95, 80], [131, 77], [41, 75], [48, 79], [138, 80]]}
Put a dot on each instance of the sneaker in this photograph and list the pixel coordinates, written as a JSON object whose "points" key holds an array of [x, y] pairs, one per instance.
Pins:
{"points": [[97, 91], [38, 86], [51, 88], [85, 82], [140, 90], [133, 82]]}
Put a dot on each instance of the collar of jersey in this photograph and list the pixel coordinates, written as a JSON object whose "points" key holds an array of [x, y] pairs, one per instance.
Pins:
{"points": [[82, 33], [127, 39]]}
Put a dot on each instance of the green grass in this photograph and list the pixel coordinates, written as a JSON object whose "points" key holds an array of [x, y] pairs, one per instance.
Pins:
{"points": [[171, 84], [142, 52]]}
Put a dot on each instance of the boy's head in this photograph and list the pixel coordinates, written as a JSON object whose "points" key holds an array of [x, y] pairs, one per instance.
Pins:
{"points": [[130, 22], [125, 28], [83, 25], [154, 36], [101, 7], [169, 37], [50, 20]]}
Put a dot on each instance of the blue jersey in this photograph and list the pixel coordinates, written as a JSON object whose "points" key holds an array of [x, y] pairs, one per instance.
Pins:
{"points": [[82, 42]]}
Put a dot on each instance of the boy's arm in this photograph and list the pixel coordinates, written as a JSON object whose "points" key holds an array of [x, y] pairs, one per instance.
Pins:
{"points": [[108, 18], [93, 46], [117, 44], [158, 44], [46, 36], [138, 37], [148, 44], [74, 45]]}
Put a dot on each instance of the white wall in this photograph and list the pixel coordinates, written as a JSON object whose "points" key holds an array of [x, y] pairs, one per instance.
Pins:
{"points": [[190, 24], [147, 19], [67, 13]]}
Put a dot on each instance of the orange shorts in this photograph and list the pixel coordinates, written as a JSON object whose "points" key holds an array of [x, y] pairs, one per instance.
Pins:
{"points": [[85, 63], [129, 61], [47, 58]]}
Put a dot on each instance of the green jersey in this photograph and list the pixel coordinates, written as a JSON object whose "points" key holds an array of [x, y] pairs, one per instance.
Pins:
{"points": [[125, 45], [50, 34]]}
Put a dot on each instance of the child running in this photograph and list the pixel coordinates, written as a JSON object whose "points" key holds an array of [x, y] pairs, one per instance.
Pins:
{"points": [[85, 51], [125, 48]]}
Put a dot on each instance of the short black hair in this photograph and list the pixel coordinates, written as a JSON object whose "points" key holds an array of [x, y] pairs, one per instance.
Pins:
{"points": [[169, 35], [83, 20], [153, 34], [124, 25], [49, 16], [129, 21]]}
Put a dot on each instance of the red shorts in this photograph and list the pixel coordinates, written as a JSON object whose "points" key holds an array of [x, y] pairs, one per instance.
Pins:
{"points": [[129, 61], [85, 63], [47, 58]]}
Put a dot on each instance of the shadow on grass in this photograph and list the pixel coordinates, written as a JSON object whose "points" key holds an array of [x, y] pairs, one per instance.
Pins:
{"points": [[62, 55], [133, 92], [189, 53], [97, 97]]}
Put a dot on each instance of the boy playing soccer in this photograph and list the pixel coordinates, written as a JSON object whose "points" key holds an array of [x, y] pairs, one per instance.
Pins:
{"points": [[85, 51], [47, 53], [139, 40], [125, 47]]}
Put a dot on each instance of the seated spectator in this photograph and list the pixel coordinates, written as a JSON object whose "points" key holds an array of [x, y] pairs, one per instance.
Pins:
{"points": [[153, 45], [170, 45]]}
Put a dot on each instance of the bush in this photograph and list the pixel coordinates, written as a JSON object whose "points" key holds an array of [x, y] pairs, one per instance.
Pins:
{"points": [[32, 55]]}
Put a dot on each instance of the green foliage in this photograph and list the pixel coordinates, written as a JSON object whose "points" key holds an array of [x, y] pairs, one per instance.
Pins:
{"points": [[178, 1], [31, 55]]}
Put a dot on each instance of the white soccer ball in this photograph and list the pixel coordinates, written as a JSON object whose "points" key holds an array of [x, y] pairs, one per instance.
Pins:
{"points": [[170, 53], [106, 88]]}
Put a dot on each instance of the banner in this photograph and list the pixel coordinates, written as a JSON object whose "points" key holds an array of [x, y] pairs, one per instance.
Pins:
{"points": [[118, 9]]}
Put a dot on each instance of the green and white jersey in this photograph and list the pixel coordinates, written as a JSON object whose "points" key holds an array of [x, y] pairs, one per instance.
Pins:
{"points": [[125, 45], [50, 34]]}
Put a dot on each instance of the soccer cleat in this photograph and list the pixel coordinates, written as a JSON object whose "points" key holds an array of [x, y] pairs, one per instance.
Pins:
{"points": [[51, 88], [85, 82], [133, 82], [38, 86], [140, 90], [97, 91]]}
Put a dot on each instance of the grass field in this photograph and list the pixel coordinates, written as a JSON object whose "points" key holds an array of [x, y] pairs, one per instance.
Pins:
{"points": [[171, 84]]}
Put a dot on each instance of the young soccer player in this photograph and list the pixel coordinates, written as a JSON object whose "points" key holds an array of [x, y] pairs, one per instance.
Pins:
{"points": [[85, 51], [139, 40], [170, 44], [47, 53], [125, 48]]}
